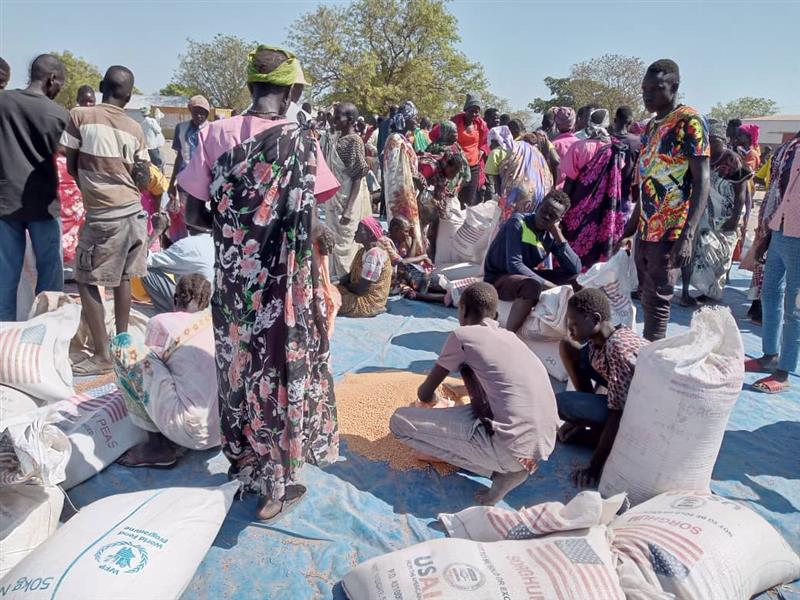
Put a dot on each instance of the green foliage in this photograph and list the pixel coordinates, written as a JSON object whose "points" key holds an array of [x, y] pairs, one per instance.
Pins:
{"points": [[743, 108], [79, 72], [175, 89], [215, 69], [609, 81], [375, 53]]}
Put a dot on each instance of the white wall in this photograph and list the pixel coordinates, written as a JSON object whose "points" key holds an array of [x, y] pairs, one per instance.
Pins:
{"points": [[771, 131]]}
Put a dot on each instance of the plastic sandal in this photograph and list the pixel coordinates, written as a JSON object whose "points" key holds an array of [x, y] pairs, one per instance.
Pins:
{"points": [[770, 385]]}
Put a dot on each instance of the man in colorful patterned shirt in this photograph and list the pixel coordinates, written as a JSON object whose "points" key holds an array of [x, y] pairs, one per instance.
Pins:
{"points": [[674, 174]]}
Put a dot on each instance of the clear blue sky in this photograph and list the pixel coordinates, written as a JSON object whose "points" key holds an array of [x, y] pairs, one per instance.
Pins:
{"points": [[726, 49]]}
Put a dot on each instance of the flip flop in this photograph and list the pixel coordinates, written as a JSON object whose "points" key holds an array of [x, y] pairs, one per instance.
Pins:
{"points": [[89, 368], [770, 385], [287, 506], [753, 365]]}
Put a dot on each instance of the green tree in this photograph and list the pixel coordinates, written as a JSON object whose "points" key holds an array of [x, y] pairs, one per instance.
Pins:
{"points": [[609, 81], [744, 108], [561, 94], [79, 72], [216, 69], [378, 52], [175, 89]]}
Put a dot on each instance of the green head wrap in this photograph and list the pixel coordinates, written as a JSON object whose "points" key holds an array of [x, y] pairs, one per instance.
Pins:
{"points": [[288, 73]]}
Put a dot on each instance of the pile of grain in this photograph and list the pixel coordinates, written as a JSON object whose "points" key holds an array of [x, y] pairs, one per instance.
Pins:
{"points": [[365, 402]]}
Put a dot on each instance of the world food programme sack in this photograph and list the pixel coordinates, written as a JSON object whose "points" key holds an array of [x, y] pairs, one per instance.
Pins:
{"points": [[569, 566], [699, 547], [141, 545], [681, 396], [617, 278], [492, 524]]}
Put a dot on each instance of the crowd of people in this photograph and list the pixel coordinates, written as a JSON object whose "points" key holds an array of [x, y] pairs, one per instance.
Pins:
{"points": [[269, 219]]}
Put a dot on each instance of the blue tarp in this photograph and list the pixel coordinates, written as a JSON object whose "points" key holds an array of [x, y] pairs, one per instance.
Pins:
{"points": [[358, 509]]}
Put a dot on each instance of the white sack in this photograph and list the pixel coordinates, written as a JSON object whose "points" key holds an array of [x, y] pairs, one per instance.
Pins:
{"points": [[13, 403], [576, 565], [492, 524], [28, 516], [457, 271], [34, 355], [617, 278], [33, 450], [548, 319], [471, 241], [445, 251], [99, 431], [699, 547], [129, 546], [678, 405]]}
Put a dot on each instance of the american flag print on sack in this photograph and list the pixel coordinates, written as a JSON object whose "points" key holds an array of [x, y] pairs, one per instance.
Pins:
{"points": [[669, 552], [575, 570], [525, 524], [19, 355]]}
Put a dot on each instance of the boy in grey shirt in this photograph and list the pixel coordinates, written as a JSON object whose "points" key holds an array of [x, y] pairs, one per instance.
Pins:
{"points": [[511, 421]]}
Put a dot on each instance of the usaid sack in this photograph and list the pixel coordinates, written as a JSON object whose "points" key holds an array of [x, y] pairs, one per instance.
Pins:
{"points": [[678, 405], [492, 524], [99, 431], [617, 278], [576, 565], [28, 516], [141, 545], [34, 354], [471, 241], [699, 547]]}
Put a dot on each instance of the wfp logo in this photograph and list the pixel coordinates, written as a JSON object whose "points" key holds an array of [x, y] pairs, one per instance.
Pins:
{"points": [[121, 557]]}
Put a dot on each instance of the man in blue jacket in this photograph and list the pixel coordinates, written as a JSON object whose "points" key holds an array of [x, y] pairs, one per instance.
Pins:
{"points": [[522, 244]]}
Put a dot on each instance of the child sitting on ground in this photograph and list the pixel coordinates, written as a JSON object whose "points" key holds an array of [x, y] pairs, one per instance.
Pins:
{"points": [[511, 421], [606, 359], [413, 268]]}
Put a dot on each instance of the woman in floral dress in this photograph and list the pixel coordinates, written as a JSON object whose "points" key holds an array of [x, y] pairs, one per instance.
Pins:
{"points": [[263, 176], [400, 169]]}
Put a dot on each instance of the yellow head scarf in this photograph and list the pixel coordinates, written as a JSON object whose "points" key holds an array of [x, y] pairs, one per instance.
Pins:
{"points": [[288, 73]]}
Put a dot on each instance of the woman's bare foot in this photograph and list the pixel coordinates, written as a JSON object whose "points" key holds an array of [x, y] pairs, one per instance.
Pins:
{"points": [[502, 483], [157, 451]]}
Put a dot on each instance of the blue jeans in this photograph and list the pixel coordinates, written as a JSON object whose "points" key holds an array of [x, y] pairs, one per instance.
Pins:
{"points": [[46, 240], [582, 408], [779, 300]]}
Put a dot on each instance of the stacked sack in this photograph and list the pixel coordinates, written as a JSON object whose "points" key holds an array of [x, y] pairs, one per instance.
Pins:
{"points": [[680, 546], [463, 240], [144, 544], [49, 436]]}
